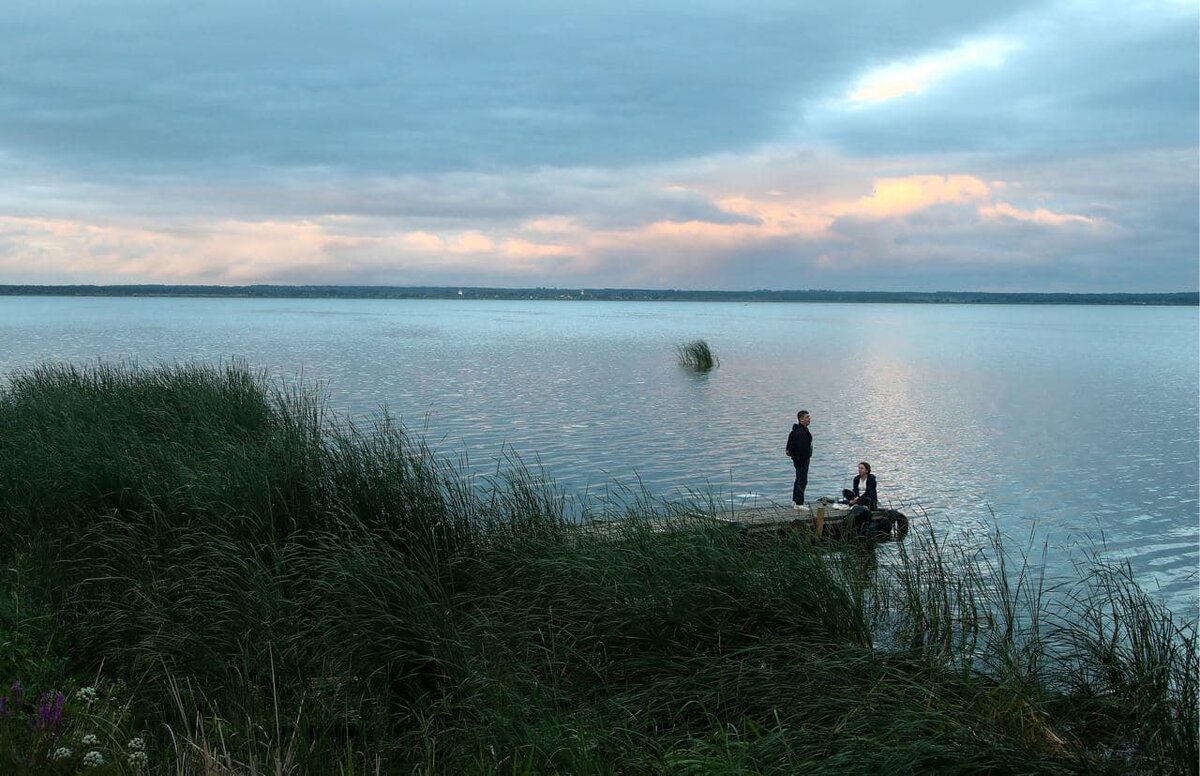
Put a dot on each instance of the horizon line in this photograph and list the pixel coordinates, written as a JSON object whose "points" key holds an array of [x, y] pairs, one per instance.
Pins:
{"points": [[651, 289], [599, 294]]}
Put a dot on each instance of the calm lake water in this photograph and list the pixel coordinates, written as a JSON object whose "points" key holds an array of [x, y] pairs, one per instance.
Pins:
{"points": [[1079, 421]]}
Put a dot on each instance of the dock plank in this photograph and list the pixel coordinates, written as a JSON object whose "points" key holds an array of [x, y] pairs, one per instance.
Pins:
{"points": [[774, 517], [752, 520]]}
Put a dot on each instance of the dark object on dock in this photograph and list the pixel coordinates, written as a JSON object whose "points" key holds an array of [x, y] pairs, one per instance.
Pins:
{"points": [[882, 523]]}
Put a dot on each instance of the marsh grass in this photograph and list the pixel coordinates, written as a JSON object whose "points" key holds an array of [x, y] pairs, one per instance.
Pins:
{"points": [[289, 592], [697, 356]]}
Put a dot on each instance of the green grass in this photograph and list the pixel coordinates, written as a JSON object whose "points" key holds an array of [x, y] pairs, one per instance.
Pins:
{"points": [[697, 356], [257, 586]]}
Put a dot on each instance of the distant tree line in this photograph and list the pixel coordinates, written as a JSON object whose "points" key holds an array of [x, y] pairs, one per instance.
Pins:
{"points": [[603, 294]]}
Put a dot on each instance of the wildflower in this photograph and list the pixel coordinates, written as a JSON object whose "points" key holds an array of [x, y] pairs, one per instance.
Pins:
{"points": [[136, 744], [89, 740], [93, 759], [86, 694], [61, 753], [138, 759], [49, 710]]}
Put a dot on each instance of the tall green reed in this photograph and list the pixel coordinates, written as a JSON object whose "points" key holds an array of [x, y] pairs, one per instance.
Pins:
{"points": [[696, 355]]}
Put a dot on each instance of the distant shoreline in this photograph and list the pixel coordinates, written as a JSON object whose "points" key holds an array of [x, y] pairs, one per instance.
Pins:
{"points": [[1184, 298]]}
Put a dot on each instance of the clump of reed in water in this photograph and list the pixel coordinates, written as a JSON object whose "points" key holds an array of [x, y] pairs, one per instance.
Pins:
{"points": [[696, 355]]}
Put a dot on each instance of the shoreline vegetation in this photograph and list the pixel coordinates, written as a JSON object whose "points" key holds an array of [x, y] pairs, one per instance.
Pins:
{"points": [[202, 571], [1191, 298]]}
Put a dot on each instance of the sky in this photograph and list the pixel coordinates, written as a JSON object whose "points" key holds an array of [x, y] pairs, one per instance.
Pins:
{"points": [[1046, 145]]}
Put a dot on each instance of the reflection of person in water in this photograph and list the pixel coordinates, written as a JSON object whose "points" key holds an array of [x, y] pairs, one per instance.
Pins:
{"points": [[864, 492]]}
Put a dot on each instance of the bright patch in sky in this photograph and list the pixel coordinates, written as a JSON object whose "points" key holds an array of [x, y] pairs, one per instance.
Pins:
{"points": [[915, 76]]}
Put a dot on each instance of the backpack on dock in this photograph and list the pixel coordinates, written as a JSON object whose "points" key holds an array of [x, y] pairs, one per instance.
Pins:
{"points": [[879, 524]]}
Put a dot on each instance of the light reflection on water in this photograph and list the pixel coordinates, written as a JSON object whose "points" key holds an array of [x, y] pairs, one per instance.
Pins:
{"points": [[1083, 419]]}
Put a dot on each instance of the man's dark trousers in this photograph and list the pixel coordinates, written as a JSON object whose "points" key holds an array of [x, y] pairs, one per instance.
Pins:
{"points": [[801, 482]]}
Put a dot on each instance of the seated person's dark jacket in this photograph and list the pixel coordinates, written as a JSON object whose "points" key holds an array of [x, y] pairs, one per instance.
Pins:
{"points": [[871, 495]]}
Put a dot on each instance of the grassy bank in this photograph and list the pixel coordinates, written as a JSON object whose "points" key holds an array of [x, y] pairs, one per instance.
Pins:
{"points": [[199, 561]]}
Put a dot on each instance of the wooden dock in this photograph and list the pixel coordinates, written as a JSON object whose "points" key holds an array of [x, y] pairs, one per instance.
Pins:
{"points": [[778, 518], [773, 519]]}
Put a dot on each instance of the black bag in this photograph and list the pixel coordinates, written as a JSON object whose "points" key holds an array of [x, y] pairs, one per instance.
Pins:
{"points": [[860, 519], [870, 524], [899, 522]]}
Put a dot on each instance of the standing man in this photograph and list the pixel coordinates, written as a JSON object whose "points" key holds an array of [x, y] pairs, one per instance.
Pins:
{"points": [[799, 449]]}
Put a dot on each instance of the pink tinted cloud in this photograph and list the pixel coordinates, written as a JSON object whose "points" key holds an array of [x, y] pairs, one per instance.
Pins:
{"points": [[1039, 215], [775, 216], [231, 251], [813, 218], [892, 197]]}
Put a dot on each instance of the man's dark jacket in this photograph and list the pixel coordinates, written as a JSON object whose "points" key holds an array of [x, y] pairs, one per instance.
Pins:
{"points": [[799, 444]]}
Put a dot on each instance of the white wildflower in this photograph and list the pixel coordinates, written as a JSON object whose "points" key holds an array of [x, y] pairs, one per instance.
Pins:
{"points": [[89, 740], [93, 759], [136, 744], [138, 759], [86, 694], [61, 753]]}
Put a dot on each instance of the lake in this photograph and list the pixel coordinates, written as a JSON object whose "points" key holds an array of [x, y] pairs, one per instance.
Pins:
{"points": [[1078, 421]]}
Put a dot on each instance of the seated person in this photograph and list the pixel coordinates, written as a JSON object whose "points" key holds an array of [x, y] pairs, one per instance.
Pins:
{"points": [[864, 492]]}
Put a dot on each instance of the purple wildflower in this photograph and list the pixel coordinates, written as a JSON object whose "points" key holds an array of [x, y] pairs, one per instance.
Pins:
{"points": [[50, 710]]}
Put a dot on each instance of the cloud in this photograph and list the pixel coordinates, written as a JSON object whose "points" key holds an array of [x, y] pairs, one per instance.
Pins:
{"points": [[825, 226], [774, 144], [1037, 216], [1065, 77], [236, 252], [914, 77], [901, 196], [424, 86]]}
